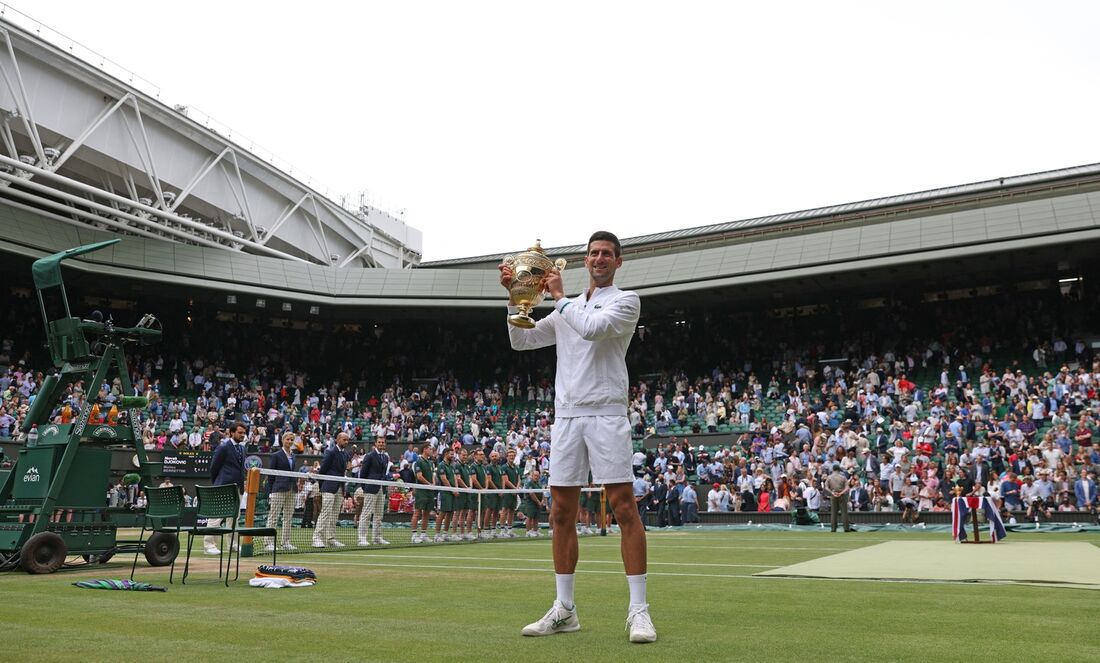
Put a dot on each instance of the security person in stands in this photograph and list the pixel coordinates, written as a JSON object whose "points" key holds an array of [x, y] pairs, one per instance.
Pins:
{"points": [[660, 495], [836, 488]]}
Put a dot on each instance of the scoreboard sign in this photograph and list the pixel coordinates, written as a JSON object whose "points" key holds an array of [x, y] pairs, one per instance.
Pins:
{"points": [[187, 463]]}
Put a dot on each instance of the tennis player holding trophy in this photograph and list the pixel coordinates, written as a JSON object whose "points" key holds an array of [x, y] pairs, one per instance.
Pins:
{"points": [[591, 432]]}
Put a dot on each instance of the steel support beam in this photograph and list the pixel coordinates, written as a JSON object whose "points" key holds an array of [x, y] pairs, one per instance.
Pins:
{"points": [[203, 172], [152, 211], [282, 219], [245, 207], [22, 104], [89, 216], [147, 156], [88, 131]]}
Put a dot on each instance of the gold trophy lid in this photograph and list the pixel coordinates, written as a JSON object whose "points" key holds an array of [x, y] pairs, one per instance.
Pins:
{"points": [[537, 248]]}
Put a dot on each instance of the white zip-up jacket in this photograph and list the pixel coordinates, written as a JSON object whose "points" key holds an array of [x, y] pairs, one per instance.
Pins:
{"points": [[592, 336]]}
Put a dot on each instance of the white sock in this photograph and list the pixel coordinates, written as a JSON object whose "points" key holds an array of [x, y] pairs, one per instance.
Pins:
{"points": [[637, 590], [565, 589]]}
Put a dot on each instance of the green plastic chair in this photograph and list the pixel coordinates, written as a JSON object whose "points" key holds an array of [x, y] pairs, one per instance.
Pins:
{"points": [[215, 502], [224, 503], [163, 504]]}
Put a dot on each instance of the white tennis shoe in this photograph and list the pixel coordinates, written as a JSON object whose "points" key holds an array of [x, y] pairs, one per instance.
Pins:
{"points": [[557, 619], [640, 625]]}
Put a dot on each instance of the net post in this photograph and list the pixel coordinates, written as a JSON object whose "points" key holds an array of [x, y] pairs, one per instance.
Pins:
{"points": [[477, 518], [251, 488], [603, 510]]}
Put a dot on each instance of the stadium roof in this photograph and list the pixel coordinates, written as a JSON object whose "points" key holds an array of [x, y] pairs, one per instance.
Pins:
{"points": [[685, 235], [1046, 214]]}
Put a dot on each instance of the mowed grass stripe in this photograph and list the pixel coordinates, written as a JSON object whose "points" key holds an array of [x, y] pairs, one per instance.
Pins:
{"points": [[550, 569], [761, 556], [435, 608], [541, 559]]}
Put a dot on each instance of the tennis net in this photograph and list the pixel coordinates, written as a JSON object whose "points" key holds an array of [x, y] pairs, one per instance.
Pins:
{"points": [[367, 513]]}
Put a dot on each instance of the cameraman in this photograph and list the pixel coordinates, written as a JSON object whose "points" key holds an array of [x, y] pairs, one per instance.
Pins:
{"points": [[1035, 503]]}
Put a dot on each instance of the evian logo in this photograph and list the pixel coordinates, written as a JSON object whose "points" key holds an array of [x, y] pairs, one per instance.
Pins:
{"points": [[104, 431], [52, 429], [31, 475]]}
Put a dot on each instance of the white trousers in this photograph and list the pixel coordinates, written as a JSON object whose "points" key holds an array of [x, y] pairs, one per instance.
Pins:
{"points": [[281, 511], [374, 506], [211, 541], [326, 523]]}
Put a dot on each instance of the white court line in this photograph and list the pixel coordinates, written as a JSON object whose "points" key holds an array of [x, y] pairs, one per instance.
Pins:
{"points": [[663, 546], [448, 567], [735, 536], [652, 546], [543, 559]]}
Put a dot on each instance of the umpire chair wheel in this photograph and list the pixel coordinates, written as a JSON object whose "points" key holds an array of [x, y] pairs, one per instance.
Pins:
{"points": [[43, 553], [161, 549]]}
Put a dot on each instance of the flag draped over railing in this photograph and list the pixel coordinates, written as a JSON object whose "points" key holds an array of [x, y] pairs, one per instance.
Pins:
{"points": [[960, 510]]}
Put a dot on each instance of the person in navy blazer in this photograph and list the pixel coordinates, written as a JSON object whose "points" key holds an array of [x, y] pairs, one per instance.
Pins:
{"points": [[226, 467], [1085, 491], [280, 500], [334, 465], [859, 499], [375, 466]]}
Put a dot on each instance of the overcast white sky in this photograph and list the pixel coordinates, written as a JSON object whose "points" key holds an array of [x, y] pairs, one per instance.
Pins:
{"points": [[496, 123]]}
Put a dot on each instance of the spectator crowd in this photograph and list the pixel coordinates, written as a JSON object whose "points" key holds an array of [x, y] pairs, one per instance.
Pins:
{"points": [[924, 404]]}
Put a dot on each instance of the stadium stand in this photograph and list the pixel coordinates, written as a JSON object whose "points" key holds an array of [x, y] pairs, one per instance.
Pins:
{"points": [[749, 409]]}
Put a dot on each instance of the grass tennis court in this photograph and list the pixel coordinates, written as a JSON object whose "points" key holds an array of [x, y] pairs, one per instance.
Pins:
{"points": [[468, 602]]}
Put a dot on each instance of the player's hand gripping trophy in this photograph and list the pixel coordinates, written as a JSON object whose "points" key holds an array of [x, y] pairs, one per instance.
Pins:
{"points": [[524, 274]]}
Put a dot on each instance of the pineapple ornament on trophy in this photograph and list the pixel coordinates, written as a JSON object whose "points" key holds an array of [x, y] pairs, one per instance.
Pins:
{"points": [[528, 287]]}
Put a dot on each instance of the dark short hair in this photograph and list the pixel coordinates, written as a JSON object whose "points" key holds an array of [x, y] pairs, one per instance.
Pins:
{"points": [[240, 424], [604, 236]]}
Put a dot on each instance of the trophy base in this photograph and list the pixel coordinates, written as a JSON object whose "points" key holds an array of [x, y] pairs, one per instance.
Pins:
{"points": [[521, 320]]}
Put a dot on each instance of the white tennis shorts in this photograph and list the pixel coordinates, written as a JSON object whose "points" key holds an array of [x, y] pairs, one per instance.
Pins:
{"points": [[600, 444]]}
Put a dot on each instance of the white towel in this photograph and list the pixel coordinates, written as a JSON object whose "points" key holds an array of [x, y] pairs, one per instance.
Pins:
{"points": [[276, 583]]}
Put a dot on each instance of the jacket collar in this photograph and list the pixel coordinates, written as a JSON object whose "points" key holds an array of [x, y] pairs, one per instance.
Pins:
{"points": [[597, 293]]}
